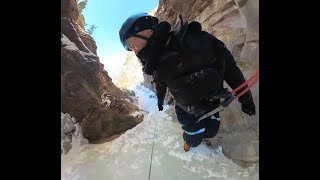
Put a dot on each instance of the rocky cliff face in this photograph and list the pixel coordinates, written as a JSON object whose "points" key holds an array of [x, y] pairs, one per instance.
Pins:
{"points": [[87, 91], [236, 23]]}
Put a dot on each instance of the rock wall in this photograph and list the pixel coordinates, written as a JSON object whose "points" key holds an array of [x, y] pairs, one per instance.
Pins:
{"points": [[87, 91]]}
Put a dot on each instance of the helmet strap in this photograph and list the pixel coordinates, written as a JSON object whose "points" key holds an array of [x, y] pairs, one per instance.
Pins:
{"points": [[141, 37]]}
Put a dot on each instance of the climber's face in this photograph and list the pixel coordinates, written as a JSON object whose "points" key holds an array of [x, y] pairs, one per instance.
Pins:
{"points": [[136, 43]]}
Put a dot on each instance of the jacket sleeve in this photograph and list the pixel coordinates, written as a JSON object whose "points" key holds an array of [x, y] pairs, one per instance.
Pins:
{"points": [[232, 74], [161, 89]]}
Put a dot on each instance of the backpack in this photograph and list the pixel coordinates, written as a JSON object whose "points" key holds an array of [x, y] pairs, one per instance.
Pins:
{"points": [[184, 35]]}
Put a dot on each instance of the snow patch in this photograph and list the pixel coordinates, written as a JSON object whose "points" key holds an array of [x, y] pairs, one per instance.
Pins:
{"points": [[71, 135], [128, 156], [107, 99], [68, 44], [137, 114], [72, 46]]}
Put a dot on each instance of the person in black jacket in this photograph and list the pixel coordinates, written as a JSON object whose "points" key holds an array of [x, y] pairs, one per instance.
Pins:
{"points": [[192, 64]]}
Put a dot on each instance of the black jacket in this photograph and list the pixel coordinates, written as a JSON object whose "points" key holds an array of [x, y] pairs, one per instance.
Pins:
{"points": [[195, 72]]}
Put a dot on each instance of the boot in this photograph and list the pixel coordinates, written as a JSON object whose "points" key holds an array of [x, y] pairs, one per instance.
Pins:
{"points": [[207, 141], [186, 147]]}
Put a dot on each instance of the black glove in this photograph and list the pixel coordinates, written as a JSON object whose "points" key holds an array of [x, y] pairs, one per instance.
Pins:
{"points": [[160, 107], [248, 107]]}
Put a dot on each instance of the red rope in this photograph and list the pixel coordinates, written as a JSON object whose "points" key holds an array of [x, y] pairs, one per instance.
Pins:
{"points": [[245, 83], [254, 77], [248, 88]]}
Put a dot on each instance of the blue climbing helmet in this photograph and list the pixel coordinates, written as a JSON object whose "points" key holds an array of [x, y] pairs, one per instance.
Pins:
{"points": [[134, 24]]}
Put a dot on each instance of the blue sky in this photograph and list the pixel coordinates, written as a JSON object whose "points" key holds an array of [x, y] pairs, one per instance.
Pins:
{"points": [[108, 16]]}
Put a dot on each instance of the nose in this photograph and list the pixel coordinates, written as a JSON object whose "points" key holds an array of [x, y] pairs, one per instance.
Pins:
{"points": [[135, 51]]}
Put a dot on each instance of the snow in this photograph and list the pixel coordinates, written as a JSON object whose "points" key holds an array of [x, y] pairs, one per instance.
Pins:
{"points": [[107, 99], [71, 46], [145, 98], [71, 135], [128, 156], [137, 114]]}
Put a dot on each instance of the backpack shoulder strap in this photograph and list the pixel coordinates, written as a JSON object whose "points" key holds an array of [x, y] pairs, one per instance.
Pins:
{"points": [[179, 30], [182, 28]]}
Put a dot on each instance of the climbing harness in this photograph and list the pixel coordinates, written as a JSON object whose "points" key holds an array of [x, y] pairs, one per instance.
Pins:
{"points": [[229, 97]]}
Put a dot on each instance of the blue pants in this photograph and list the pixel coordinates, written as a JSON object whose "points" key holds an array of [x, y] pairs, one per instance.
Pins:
{"points": [[195, 132]]}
